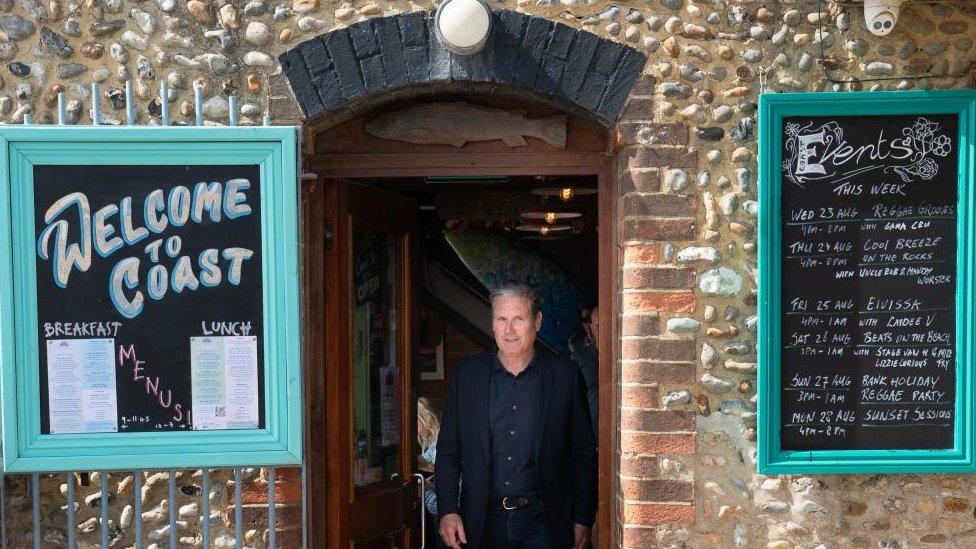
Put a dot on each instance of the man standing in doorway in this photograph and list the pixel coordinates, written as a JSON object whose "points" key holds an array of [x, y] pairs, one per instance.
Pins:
{"points": [[515, 456]]}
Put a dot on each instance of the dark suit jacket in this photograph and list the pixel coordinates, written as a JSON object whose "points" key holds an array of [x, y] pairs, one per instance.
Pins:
{"points": [[565, 450]]}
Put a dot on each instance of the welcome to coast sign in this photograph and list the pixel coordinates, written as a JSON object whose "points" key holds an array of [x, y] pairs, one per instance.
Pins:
{"points": [[149, 297], [161, 214]]}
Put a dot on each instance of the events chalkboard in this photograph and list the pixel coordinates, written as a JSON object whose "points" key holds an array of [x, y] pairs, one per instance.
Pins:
{"points": [[149, 297], [868, 281]]}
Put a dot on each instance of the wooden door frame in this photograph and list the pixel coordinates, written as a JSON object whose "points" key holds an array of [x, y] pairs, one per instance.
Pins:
{"points": [[323, 460], [314, 327], [353, 166]]}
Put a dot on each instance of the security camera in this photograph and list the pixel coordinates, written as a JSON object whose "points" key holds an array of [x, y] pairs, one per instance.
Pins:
{"points": [[881, 15]]}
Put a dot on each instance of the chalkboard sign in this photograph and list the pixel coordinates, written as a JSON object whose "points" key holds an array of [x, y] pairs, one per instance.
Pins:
{"points": [[155, 297], [862, 286], [177, 241], [869, 270]]}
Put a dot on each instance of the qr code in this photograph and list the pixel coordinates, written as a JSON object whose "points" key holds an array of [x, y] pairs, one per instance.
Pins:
{"points": [[220, 411]]}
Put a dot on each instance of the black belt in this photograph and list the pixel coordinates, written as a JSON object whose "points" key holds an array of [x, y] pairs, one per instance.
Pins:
{"points": [[511, 503]]}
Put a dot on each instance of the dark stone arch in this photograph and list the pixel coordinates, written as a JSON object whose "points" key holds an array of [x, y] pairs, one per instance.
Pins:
{"points": [[568, 67]]}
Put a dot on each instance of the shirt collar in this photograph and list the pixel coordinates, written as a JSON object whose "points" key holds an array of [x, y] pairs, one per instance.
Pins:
{"points": [[497, 363]]}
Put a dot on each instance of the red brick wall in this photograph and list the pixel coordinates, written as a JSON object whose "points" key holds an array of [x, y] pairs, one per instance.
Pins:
{"points": [[652, 289], [288, 506]]}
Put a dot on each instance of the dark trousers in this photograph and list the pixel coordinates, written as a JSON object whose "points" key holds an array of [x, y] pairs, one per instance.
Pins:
{"points": [[433, 530], [524, 528]]}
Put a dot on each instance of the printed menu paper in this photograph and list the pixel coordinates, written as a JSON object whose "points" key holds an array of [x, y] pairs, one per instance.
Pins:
{"points": [[224, 382], [81, 386]]}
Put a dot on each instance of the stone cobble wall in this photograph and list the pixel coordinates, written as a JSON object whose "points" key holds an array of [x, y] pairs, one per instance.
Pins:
{"points": [[154, 498], [686, 234], [687, 211]]}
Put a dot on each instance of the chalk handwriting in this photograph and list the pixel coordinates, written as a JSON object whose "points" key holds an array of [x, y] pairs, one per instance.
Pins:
{"points": [[163, 398], [81, 329], [821, 153], [72, 249], [226, 328], [868, 284]]}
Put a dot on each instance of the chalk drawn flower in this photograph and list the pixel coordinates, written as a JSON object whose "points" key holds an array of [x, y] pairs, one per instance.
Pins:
{"points": [[941, 145], [922, 130], [923, 139], [792, 129], [927, 168]]}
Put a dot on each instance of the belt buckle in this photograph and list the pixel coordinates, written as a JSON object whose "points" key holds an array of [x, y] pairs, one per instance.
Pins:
{"points": [[505, 505]]}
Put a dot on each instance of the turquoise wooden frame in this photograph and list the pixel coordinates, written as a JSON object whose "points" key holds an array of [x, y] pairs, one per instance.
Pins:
{"points": [[275, 150], [772, 109]]}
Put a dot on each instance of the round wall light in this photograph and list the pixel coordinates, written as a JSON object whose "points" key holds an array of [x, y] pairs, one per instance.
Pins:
{"points": [[463, 26]]}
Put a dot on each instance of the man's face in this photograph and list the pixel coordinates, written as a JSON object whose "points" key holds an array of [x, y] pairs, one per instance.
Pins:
{"points": [[513, 324]]}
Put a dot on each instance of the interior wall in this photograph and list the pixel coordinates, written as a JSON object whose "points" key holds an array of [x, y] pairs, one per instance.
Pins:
{"points": [[457, 347]]}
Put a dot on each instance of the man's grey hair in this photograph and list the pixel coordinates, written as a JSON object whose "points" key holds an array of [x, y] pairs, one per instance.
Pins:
{"points": [[517, 289]]}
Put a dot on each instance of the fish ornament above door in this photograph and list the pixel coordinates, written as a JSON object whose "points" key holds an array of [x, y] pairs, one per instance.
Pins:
{"points": [[459, 123]]}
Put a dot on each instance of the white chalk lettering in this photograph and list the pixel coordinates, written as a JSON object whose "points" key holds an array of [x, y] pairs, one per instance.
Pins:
{"points": [[806, 151], [207, 197], [67, 257], [114, 226], [235, 204], [81, 329]]}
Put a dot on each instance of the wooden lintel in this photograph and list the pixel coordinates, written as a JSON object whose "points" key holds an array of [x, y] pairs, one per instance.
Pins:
{"points": [[418, 165], [308, 141]]}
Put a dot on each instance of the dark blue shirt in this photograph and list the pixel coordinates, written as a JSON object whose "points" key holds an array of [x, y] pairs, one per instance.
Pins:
{"points": [[512, 402]]}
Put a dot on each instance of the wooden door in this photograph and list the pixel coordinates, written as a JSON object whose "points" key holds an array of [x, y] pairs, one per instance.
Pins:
{"points": [[370, 416]]}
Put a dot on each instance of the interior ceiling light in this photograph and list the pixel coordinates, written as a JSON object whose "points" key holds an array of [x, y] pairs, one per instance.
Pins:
{"points": [[564, 193], [551, 217], [546, 237], [463, 26], [542, 229]]}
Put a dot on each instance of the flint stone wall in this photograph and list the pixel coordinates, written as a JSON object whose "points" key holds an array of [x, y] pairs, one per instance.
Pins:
{"points": [[686, 183]]}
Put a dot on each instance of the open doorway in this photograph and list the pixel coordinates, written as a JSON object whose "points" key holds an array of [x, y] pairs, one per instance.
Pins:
{"points": [[410, 243], [472, 234]]}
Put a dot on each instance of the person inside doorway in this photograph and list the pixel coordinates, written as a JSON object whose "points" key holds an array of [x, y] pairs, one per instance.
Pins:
{"points": [[586, 355], [516, 428], [428, 428]]}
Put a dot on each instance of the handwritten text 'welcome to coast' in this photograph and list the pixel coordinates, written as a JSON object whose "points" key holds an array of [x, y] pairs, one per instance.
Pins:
{"points": [[96, 233]]}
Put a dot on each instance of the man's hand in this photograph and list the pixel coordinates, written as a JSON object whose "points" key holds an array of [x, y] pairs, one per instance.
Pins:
{"points": [[581, 536], [452, 531]]}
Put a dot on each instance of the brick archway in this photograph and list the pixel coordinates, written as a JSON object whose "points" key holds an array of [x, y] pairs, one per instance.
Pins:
{"points": [[344, 74], [365, 62]]}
